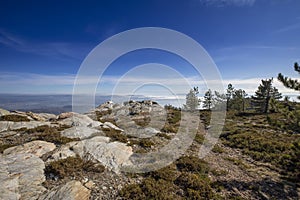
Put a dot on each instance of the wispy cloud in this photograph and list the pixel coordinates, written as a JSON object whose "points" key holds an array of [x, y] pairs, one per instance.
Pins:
{"points": [[123, 86], [222, 3], [62, 50], [287, 28]]}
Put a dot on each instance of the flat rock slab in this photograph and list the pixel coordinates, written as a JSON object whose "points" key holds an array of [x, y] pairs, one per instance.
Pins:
{"points": [[21, 176], [8, 125], [72, 190], [36, 147], [81, 132]]}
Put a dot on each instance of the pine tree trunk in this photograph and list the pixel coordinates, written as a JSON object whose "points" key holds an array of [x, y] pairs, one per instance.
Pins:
{"points": [[267, 104]]}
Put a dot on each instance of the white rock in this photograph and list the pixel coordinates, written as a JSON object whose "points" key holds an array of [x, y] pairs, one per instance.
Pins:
{"points": [[72, 190], [4, 112], [63, 152], [81, 132], [21, 176], [112, 155], [112, 126], [38, 148], [8, 125]]}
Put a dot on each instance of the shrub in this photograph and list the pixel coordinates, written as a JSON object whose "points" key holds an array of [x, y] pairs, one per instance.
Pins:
{"points": [[217, 149], [71, 167], [116, 135], [199, 138], [195, 186], [143, 142], [14, 118], [192, 164], [150, 189]]}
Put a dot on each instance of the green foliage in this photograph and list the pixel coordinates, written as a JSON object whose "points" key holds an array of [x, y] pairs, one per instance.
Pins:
{"points": [[192, 100], [219, 101], [217, 149], [208, 99], [229, 95], [239, 100], [287, 116], [192, 164], [265, 92], [205, 116], [291, 83], [150, 188], [173, 119], [263, 143], [195, 186], [199, 138], [169, 183]]}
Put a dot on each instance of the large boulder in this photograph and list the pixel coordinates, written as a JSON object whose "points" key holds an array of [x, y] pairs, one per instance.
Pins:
{"points": [[21, 176], [113, 155], [72, 190], [37, 148]]}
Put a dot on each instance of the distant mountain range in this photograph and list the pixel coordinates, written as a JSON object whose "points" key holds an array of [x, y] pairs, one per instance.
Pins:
{"points": [[63, 103]]}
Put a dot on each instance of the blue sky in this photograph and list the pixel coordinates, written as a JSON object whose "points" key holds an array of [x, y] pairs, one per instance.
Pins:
{"points": [[43, 43]]}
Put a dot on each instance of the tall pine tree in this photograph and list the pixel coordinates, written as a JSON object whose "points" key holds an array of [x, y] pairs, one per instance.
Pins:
{"points": [[208, 99], [291, 83], [263, 95], [192, 100]]}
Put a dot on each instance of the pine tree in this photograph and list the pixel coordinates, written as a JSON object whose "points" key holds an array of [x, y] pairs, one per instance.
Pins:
{"points": [[220, 101], [238, 100], [208, 99], [229, 95], [291, 111], [291, 83], [192, 100], [263, 95]]}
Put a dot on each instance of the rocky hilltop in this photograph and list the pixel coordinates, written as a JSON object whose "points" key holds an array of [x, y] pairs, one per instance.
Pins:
{"points": [[80, 156]]}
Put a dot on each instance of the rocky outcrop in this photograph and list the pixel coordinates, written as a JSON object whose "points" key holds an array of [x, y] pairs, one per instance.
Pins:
{"points": [[72, 190], [22, 167], [21, 176], [10, 126], [136, 118], [76, 119]]}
